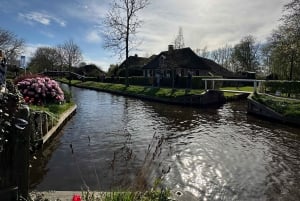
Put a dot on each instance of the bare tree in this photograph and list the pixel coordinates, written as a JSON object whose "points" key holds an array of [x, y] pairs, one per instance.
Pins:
{"points": [[179, 40], [222, 56], [121, 24], [202, 52], [11, 45], [71, 54], [245, 54]]}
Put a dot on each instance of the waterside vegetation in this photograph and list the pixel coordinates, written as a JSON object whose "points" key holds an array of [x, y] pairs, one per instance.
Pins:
{"points": [[56, 109], [152, 195], [284, 106]]}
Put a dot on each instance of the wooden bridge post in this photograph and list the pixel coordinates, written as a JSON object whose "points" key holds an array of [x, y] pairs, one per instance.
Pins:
{"points": [[255, 87]]}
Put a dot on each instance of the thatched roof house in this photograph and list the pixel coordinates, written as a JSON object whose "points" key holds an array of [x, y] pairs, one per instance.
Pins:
{"points": [[183, 61]]}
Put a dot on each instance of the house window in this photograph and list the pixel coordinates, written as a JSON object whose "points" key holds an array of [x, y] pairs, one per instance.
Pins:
{"points": [[162, 61]]}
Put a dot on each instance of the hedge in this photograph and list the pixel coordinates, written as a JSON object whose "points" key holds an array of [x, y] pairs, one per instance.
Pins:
{"points": [[288, 87], [181, 82]]}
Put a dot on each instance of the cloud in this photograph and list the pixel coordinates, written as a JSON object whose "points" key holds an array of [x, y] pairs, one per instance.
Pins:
{"points": [[91, 11], [207, 23], [48, 34], [42, 18], [93, 37]]}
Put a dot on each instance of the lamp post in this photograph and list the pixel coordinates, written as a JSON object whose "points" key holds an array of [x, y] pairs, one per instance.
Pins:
{"points": [[22, 63]]}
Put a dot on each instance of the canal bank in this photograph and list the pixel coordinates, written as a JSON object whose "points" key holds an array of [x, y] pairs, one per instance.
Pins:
{"points": [[63, 119], [45, 125], [283, 110], [173, 195], [185, 97]]}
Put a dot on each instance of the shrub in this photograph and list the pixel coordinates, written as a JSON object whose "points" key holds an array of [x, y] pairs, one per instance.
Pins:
{"points": [[40, 90], [291, 87]]}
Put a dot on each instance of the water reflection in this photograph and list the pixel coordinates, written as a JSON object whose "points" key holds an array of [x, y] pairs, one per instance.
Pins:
{"points": [[217, 154]]}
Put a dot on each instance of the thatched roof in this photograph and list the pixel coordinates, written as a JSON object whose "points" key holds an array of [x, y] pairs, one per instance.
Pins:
{"points": [[135, 65], [185, 58], [135, 62], [90, 70]]}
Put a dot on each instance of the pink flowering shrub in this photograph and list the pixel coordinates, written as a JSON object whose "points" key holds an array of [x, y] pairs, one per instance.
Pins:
{"points": [[40, 90]]}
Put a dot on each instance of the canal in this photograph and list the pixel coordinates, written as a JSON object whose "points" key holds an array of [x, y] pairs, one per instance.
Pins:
{"points": [[220, 153]]}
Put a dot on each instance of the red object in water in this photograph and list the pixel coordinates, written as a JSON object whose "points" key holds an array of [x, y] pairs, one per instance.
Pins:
{"points": [[76, 198]]}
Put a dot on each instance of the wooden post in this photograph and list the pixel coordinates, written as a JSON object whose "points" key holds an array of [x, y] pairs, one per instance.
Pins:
{"points": [[22, 153], [255, 87]]}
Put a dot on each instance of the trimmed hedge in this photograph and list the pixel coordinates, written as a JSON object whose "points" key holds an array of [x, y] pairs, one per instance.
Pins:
{"points": [[181, 82], [288, 87]]}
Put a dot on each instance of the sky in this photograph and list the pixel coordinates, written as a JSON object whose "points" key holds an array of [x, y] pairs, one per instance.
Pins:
{"points": [[205, 23]]}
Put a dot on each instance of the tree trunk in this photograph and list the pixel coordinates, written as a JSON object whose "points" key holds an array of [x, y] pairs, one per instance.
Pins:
{"points": [[292, 66], [69, 74], [127, 51]]}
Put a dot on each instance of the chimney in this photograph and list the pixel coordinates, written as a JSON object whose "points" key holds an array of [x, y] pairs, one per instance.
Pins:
{"points": [[171, 48]]}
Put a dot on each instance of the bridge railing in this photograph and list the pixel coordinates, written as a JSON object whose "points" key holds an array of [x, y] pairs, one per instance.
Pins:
{"points": [[257, 84], [41, 123], [276, 87]]}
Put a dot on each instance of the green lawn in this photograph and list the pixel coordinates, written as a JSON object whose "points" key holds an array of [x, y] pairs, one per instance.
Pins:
{"points": [[245, 88], [56, 109]]}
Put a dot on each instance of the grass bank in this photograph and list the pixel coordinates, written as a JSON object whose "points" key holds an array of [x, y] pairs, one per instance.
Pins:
{"points": [[284, 106], [56, 109], [167, 93], [244, 88]]}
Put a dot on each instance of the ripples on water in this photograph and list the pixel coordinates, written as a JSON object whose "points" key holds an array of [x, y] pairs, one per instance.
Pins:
{"points": [[216, 154]]}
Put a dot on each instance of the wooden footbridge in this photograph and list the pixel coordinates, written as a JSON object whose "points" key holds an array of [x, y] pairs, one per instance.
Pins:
{"points": [[64, 73], [257, 84]]}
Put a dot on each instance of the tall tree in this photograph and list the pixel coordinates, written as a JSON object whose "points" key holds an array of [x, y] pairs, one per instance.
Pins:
{"points": [[44, 58], [284, 44], [179, 40], [245, 55], [121, 24], [11, 45]]}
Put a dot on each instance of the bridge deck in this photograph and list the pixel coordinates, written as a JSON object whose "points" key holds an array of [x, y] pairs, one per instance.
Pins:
{"points": [[236, 91]]}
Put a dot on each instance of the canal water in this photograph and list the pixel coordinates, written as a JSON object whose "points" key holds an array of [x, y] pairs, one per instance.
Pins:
{"points": [[221, 153]]}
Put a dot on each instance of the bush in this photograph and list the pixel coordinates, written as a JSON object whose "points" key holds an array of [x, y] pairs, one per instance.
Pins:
{"points": [[40, 90], [290, 87]]}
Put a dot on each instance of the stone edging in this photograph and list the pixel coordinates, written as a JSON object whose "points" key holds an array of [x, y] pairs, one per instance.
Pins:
{"points": [[61, 122]]}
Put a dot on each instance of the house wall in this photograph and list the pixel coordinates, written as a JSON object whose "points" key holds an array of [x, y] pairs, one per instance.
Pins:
{"points": [[167, 73]]}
